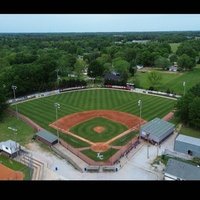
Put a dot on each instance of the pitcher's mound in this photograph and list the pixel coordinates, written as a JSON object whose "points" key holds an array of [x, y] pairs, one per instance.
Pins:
{"points": [[99, 129], [100, 147]]}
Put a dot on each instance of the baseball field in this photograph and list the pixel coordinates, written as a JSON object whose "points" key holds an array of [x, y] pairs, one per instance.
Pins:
{"points": [[94, 116]]}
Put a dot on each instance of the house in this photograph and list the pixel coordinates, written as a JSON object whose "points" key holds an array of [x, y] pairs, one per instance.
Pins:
{"points": [[10, 148], [139, 66], [187, 145], [114, 76], [178, 170], [173, 68], [46, 137], [156, 130]]}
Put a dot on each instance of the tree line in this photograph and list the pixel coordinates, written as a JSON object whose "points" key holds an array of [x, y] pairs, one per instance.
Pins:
{"points": [[39, 62]]}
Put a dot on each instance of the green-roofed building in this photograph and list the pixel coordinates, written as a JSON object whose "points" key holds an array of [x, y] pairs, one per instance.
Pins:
{"points": [[156, 130], [178, 170], [46, 137]]}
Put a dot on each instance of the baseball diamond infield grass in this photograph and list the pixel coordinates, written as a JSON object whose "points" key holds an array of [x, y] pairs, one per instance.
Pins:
{"points": [[85, 129], [125, 139], [106, 154], [42, 110]]}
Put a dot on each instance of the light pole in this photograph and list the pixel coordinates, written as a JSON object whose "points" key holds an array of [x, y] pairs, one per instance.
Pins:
{"points": [[140, 105], [57, 106], [183, 88], [57, 70], [14, 88]]}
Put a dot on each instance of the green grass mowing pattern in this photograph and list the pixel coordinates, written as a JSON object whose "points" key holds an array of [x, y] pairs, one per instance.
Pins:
{"points": [[93, 155], [173, 81], [190, 132], [85, 129], [24, 132], [125, 139], [12, 164], [76, 143], [42, 110]]}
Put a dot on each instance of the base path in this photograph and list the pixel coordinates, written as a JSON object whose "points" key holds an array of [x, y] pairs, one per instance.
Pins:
{"points": [[65, 123], [69, 121]]}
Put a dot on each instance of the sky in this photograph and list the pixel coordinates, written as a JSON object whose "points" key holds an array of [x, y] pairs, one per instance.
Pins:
{"points": [[31, 23]]}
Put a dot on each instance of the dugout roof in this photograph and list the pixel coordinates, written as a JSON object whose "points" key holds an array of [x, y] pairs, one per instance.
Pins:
{"points": [[51, 138]]}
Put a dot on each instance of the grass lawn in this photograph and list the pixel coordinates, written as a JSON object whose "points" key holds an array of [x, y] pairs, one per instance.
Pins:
{"points": [[111, 130], [125, 139], [174, 47], [106, 155], [42, 110], [190, 132], [23, 134], [172, 81], [12, 164]]}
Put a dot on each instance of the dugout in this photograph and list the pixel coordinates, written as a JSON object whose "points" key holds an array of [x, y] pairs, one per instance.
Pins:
{"points": [[46, 137], [156, 130]]}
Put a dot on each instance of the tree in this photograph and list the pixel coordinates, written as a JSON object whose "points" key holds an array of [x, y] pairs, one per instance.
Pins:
{"points": [[185, 62], [162, 62], [194, 113], [79, 67], [154, 78], [3, 104], [95, 69], [188, 107], [173, 58]]}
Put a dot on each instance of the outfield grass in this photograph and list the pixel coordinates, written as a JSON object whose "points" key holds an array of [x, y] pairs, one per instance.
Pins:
{"points": [[190, 132], [106, 155], [42, 110], [174, 47], [125, 139], [85, 129], [12, 164], [23, 134], [172, 81]]}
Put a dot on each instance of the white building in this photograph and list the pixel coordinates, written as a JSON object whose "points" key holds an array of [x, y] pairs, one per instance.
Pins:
{"points": [[10, 147]]}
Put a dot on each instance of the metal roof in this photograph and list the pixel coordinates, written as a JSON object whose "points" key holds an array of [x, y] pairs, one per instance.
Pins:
{"points": [[182, 170], [11, 144], [47, 136], [188, 139], [157, 127]]}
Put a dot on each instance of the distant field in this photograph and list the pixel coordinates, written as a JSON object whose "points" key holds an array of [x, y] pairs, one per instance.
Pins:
{"points": [[42, 110], [174, 47], [23, 134], [173, 81]]}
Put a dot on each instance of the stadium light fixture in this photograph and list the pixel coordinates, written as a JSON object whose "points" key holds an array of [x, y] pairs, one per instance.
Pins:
{"points": [[183, 88], [14, 89], [57, 106], [140, 105]]}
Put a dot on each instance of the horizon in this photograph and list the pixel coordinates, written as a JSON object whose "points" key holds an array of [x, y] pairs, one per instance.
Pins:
{"points": [[94, 23]]}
